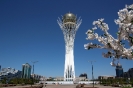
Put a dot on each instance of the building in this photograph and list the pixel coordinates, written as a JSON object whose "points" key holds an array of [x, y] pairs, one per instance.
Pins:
{"points": [[43, 78], [9, 73], [59, 78], [106, 77], [69, 25], [0, 67], [128, 74], [26, 71], [36, 76], [83, 75], [130, 71], [119, 70], [81, 78], [62, 78]]}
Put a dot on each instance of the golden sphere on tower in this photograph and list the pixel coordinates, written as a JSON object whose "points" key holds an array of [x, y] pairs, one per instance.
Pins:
{"points": [[69, 17]]}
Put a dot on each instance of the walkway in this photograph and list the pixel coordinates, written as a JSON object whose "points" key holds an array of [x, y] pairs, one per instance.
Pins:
{"points": [[63, 86]]}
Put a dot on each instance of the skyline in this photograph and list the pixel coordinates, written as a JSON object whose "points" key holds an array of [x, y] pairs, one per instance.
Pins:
{"points": [[29, 32]]}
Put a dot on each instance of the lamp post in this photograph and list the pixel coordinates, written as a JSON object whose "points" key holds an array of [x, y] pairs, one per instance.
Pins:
{"points": [[33, 62], [92, 71]]}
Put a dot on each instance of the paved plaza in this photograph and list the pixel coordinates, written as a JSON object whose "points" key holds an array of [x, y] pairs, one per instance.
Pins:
{"points": [[74, 86], [64, 86]]}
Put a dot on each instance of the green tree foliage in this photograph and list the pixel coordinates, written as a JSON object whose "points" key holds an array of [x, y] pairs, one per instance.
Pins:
{"points": [[4, 80], [22, 81]]}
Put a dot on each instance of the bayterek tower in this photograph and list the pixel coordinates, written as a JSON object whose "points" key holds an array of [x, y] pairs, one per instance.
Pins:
{"points": [[69, 24]]}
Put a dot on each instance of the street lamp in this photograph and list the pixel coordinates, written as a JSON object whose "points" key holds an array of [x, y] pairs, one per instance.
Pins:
{"points": [[92, 71], [33, 62]]}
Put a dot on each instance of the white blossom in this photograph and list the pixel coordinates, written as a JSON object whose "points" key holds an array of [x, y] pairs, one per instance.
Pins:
{"points": [[94, 28], [89, 31], [91, 36], [116, 47], [102, 19]]}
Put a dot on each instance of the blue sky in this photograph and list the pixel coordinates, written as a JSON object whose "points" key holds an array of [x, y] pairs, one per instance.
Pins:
{"points": [[29, 32]]}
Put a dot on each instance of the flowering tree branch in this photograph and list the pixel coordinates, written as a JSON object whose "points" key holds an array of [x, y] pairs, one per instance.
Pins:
{"points": [[116, 48]]}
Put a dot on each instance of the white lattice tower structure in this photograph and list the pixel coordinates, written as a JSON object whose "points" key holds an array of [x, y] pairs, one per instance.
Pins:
{"points": [[69, 24]]}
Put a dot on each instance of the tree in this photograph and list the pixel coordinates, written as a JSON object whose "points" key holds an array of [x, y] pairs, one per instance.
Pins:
{"points": [[4, 80], [131, 81], [102, 81], [116, 48], [14, 81], [108, 81]]}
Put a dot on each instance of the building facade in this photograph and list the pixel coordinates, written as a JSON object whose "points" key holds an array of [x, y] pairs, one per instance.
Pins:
{"points": [[36, 76], [106, 77], [119, 70], [0, 67], [81, 78], [9, 73], [26, 71], [59, 78], [130, 71], [128, 74], [62, 78]]}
